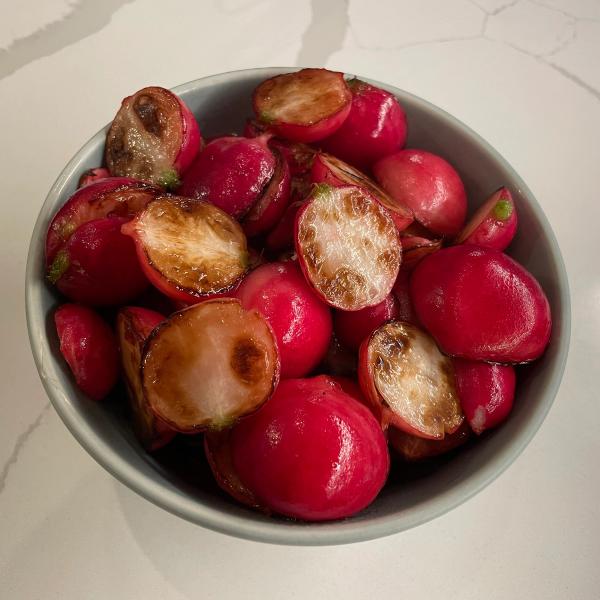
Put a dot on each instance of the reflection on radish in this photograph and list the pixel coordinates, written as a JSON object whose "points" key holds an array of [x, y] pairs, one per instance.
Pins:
{"points": [[312, 452], [412, 448], [482, 305]]}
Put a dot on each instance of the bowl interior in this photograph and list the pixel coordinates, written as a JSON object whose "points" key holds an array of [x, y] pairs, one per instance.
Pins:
{"points": [[177, 478]]}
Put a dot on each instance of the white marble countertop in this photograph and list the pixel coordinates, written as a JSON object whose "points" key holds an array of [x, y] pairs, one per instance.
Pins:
{"points": [[523, 73]]}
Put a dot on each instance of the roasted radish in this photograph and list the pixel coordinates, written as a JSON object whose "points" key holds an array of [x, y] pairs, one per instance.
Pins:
{"points": [[428, 185], [409, 382], [189, 249], [401, 290], [375, 127], [282, 235], [494, 224], [208, 365], [412, 448], [154, 137], [415, 248], [304, 106], [92, 176], [312, 452], [348, 246], [89, 346], [486, 392], [480, 304]]}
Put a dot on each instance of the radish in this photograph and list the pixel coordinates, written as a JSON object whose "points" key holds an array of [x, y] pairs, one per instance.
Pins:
{"points": [[494, 224], [415, 248], [300, 321], [412, 448], [89, 346], [134, 325], [98, 265], [350, 387], [351, 328], [329, 169], [231, 173], [208, 365], [312, 452], [154, 137], [486, 392], [347, 246], [304, 106], [189, 249], [375, 127], [401, 291], [428, 185], [480, 304], [92, 176], [299, 157], [281, 237], [339, 360], [408, 381]]}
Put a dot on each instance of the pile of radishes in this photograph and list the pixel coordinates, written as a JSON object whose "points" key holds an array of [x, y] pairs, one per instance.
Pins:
{"points": [[320, 292]]}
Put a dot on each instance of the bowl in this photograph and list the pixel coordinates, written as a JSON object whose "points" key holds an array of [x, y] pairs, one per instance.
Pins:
{"points": [[177, 479]]}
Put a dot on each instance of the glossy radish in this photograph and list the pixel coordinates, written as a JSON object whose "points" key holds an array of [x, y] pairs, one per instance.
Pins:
{"points": [[351, 328], [189, 249], [480, 304], [401, 291], [231, 172], [412, 448], [154, 137], [312, 452], [281, 237], [92, 176], [208, 365], [134, 325], [408, 381], [331, 170], [350, 386], [89, 346], [428, 185], [375, 127], [347, 246], [98, 266], [415, 248], [304, 106], [494, 224], [486, 392]]}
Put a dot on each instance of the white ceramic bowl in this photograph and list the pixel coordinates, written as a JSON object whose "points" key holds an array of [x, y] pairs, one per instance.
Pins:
{"points": [[221, 103]]}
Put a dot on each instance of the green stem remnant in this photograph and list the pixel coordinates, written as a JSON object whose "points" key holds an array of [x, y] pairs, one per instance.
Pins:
{"points": [[503, 210], [58, 267]]}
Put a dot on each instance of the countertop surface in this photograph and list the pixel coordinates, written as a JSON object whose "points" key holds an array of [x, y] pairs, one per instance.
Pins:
{"points": [[524, 74]]}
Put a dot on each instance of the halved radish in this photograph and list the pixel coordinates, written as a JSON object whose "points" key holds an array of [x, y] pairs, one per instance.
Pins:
{"points": [[415, 248], [210, 364], [269, 208], [409, 382], [494, 224], [154, 137], [189, 248], [347, 246], [305, 106], [92, 176], [134, 325], [329, 169]]}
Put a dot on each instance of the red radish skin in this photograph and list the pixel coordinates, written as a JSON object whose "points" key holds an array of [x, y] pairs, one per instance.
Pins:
{"points": [[134, 325], [486, 392], [350, 387], [282, 236], [299, 157], [480, 304], [300, 321], [375, 127], [98, 265], [408, 382], [92, 176], [231, 173], [189, 249], [494, 224], [347, 246], [331, 170], [269, 208], [413, 449], [351, 328], [428, 185], [312, 452], [415, 249], [154, 137], [89, 346], [401, 290]]}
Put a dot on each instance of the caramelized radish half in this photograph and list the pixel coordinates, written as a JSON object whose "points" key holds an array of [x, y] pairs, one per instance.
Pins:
{"points": [[409, 382], [188, 248], [415, 248], [331, 170], [494, 224], [210, 364], [92, 176], [134, 325], [305, 106], [347, 246], [154, 137], [412, 448]]}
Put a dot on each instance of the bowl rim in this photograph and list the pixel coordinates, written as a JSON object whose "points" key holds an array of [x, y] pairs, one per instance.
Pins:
{"points": [[277, 532]]}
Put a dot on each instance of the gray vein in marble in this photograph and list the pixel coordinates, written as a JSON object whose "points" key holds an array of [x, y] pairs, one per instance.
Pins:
{"points": [[18, 447], [566, 42], [325, 33], [564, 12], [86, 18], [496, 11]]}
